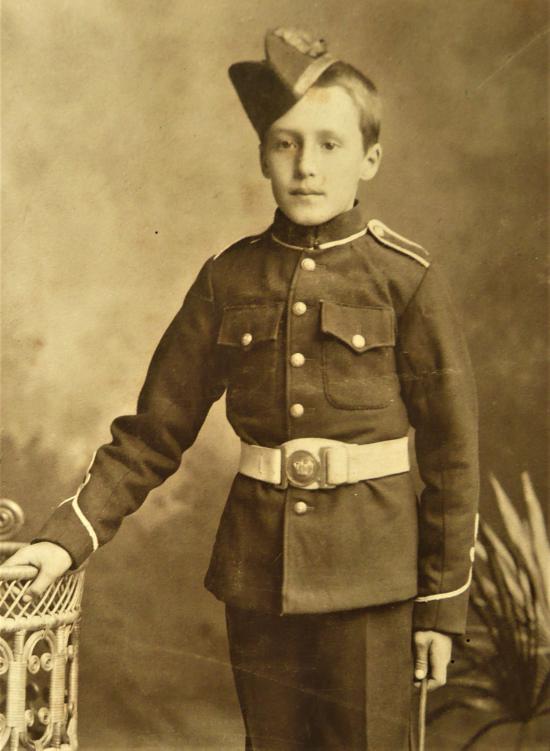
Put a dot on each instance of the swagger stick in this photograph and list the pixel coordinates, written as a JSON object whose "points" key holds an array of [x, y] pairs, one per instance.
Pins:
{"points": [[422, 714]]}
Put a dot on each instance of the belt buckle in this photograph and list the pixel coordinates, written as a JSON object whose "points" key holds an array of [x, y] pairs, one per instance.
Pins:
{"points": [[302, 468]]}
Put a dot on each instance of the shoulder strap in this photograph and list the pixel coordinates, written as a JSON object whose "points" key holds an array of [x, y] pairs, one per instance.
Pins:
{"points": [[251, 240], [391, 239]]}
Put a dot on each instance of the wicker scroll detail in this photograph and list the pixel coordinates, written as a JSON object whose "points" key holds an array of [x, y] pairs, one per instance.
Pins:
{"points": [[38, 659], [12, 518]]}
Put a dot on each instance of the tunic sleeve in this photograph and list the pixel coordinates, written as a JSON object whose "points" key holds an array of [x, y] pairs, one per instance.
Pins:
{"points": [[182, 382], [439, 392]]}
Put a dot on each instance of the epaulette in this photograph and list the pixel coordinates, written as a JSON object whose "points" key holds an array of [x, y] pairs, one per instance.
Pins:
{"points": [[391, 239], [251, 240]]}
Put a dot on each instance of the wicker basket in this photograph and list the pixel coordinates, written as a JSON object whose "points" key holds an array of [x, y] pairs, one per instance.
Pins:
{"points": [[38, 657]]}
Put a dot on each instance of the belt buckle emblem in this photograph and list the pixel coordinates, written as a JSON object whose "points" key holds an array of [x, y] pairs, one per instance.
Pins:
{"points": [[302, 468]]}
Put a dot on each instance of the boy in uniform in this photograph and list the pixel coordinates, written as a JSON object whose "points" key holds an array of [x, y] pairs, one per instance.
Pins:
{"points": [[332, 337]]}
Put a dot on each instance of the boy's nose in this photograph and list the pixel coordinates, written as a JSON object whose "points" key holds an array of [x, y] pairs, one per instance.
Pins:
{"points": [[305, 162]]}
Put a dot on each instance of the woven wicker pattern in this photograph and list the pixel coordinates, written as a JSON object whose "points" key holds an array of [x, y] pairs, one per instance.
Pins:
{"points": [[38, 659], [60, 604]]}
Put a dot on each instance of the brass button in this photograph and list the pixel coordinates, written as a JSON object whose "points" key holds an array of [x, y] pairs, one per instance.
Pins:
{"points": [[299, 308], [300, 507], [358, 341], [308, 264], [297, 360], [246, 339], [297, 410]]}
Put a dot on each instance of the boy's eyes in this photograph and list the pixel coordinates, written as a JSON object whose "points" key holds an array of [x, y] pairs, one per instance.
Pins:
{"points": [[283, 144]]}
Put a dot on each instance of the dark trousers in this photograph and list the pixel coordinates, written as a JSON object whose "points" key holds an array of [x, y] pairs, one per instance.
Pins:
{"points": [[324, 681]]}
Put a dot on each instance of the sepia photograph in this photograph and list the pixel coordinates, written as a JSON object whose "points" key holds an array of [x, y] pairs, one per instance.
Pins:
{"points": [[274, 375]]}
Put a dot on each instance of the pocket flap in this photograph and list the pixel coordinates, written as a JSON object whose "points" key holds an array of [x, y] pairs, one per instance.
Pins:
{"points": [[361, 328], [246, 325]]}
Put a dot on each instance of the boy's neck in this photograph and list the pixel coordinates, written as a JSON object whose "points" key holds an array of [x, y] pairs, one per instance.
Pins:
{"points": [[336, 229]]}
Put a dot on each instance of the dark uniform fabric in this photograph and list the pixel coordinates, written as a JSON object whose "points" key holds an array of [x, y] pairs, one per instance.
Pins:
{"points": [[358, 545], [328, 682]]}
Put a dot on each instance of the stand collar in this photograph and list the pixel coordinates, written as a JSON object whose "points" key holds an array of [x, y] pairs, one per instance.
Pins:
{"points": [[337, 231]]}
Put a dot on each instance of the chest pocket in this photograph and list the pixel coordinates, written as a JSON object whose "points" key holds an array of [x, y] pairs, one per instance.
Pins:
{"points": [[248, 341], [358, 356]]}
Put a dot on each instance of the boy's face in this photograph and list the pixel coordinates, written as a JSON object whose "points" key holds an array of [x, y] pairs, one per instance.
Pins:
{"points": [[314, 156]]}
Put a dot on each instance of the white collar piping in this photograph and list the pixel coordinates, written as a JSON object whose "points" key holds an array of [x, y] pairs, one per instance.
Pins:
{"points": [[321, 246]]}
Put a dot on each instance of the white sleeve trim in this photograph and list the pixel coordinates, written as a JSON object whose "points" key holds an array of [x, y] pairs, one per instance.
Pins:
{"points": [[464, 587], [446, 595], [78, 511], [89, 529]]}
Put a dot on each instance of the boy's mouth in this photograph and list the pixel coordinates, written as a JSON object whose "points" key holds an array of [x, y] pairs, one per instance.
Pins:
{"points": [[305, 192]]}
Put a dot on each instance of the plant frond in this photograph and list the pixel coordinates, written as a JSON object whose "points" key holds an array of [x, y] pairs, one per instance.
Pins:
{"points": [[539, 538], [486, 608], [513, 523], [543, 694], [473, 665], [507, 626], [489, 591], [481, 553], [483, 686], [535, 580], [485, 729], [507, 565], [438, 712], [511, 623], [506, 667], [483, 703]]}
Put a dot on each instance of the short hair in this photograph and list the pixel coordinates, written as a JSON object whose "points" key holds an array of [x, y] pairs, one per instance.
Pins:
{"points": [[363, 93]]}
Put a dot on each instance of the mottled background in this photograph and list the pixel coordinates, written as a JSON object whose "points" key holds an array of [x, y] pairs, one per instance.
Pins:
{"points": [[127, 162]]}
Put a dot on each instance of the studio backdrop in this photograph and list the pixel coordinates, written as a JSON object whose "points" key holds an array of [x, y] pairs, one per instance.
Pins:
{"points": [[127, 163]]}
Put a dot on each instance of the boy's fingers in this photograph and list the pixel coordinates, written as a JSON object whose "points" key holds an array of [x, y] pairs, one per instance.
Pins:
{"points": [[432, 655], [439, 659], [39, 586], [434, 683], [27, 556], [421, 660], [19, 558]]}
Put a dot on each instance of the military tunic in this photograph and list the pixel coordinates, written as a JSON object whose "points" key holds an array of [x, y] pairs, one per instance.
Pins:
{"points": [[340, 331]]}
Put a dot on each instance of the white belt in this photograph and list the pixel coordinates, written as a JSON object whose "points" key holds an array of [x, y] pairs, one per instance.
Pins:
{"points": [[312, 463]]}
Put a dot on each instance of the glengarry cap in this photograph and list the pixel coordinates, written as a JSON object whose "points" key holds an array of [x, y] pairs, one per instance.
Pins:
{"points": [[269, 88]]}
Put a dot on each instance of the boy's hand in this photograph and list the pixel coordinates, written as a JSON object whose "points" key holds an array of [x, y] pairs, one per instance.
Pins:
{"points": [[432, 654], [51, 561]]}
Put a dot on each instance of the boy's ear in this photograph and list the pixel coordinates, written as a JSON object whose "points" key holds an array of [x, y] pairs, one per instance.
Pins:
{"points": [[371, 161], [263, 162]]}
